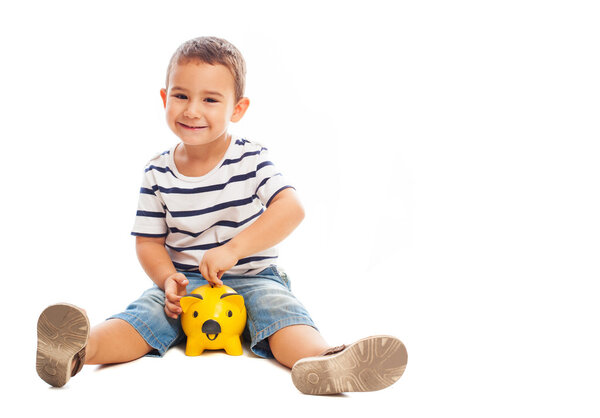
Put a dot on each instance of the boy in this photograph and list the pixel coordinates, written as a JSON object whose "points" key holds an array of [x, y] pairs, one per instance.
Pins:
{"points": [[211, 209]]}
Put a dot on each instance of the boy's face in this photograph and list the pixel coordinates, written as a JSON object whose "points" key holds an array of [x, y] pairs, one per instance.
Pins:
{"points": [[200, 102]]}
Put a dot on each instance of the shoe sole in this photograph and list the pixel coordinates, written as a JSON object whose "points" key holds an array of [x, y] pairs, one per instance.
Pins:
{"points": [[370, 364], [62, 331]]}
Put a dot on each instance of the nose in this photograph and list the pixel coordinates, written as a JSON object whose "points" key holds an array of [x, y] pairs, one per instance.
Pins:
{"points": [[192, 110], [211, 327]]}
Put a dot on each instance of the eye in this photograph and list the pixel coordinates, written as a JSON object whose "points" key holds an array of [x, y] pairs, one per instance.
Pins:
{"points": [[210, 100], [180, 96], [230, 314], [195, 314]]}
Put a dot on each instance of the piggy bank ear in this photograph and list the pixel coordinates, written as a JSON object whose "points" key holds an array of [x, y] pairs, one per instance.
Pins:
{"points": [[187, 301], [235, 299]]}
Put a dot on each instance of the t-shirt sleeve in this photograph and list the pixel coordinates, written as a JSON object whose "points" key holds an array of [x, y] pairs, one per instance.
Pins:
{"points": [[150, 219], [269, 180]]}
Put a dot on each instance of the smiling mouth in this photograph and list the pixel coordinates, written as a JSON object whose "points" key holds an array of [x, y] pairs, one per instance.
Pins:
{"points": [[212, 337], [191, 127]]}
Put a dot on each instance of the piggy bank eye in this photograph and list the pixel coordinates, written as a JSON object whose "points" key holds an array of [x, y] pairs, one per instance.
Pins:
{"points": [[230, 314], [195, 314]]}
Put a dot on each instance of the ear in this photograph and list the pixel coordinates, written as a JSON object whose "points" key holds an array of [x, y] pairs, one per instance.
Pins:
{"points": [[235, 299], [240, 109], [187, 301], [163, 94]]}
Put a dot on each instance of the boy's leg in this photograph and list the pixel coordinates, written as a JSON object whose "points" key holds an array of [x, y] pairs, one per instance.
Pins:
{"points": [[115, 341], [65, 343], [295, 342]]}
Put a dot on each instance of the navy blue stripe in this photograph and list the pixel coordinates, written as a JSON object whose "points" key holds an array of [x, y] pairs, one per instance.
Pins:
{"points": [[150, 214], [244, 155], [221, 206], [265, 180], [202, 247], [185, 267], [263, 165], [212, 188], [251, 259], [188, 267], [277, 192], [241, 141], [144, 190], [243, 261], [139, 234], [230, 224], [160, 169]]}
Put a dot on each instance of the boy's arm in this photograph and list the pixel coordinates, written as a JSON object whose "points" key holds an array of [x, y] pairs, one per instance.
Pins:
{"points": [[154, 259], [158, 266], [283, 215]]}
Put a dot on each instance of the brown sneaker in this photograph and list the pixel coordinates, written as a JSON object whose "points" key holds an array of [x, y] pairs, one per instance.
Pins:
{"points": [[63, 331], [369, 364]]}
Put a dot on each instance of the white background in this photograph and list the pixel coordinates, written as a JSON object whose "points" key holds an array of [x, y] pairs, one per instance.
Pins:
{"points": [[446, 153]]}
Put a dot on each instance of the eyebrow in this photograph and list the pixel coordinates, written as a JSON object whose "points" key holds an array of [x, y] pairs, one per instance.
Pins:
{"points": [[209, 92]]}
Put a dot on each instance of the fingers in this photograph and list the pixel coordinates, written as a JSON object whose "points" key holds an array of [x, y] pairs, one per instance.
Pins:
{"points": [[210, 275], [204, 270], [176, 284], [216, 281], [175, 289], [181, 281], [172, 306], [171, 314], [172, 302]]}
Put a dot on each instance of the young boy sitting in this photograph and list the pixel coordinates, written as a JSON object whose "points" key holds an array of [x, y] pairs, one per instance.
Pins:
{"points": [[211, 210]]}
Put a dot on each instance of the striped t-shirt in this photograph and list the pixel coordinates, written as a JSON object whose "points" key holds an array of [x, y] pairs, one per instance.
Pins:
{"points": [[196, 214]]}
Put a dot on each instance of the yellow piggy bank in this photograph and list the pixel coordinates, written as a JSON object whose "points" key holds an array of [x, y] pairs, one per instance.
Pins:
{"points": [[213, 318]]}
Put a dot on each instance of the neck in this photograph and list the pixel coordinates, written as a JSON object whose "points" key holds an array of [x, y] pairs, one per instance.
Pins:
{"points": [[206, 152], [197, 160]]}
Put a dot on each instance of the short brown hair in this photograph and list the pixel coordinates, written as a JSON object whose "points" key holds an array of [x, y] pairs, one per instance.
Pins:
{"points": [[212, 50]]}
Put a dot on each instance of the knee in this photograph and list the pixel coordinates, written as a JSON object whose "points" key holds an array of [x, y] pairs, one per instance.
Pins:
{"points": [[295, 342], [281, 351], [115, 341]]}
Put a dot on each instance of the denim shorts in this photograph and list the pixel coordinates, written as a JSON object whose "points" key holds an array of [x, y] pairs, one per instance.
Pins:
{"points": [[269, 301]]}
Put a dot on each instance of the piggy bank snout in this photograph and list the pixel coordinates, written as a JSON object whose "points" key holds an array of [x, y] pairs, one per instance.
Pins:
{"points": [[211, 327]]}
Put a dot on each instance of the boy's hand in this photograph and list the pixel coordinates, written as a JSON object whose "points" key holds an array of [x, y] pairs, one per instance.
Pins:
{"points": [[175, 286], [216, 262]]}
